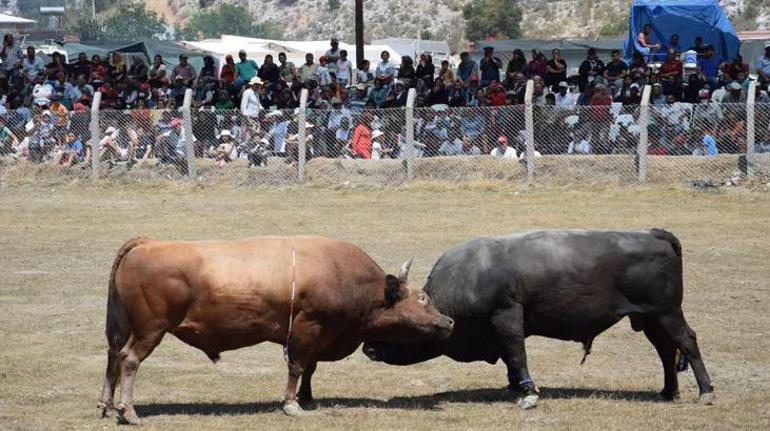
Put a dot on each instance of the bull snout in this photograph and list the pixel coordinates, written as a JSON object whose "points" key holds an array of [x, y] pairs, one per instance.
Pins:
{"points": [[372, 353], [444, 327]]}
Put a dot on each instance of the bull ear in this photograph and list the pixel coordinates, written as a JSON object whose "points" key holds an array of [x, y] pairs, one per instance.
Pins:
{"points": [[403, 274], [392, 290]]}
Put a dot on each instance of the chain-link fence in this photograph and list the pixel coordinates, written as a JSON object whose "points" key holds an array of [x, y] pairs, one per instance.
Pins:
{"points": [[599, 143]]}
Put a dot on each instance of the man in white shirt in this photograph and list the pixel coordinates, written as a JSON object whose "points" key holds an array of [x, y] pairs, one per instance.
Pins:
{"points": [[563, 98], [502, 150], [32, 65], [385, 69], [332, 55], [343, 69], [250, 105]]}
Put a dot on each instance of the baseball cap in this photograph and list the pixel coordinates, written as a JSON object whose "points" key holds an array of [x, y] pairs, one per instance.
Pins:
{"points": [[243, 51], [255, 80], [634, 85], [564, 84]]}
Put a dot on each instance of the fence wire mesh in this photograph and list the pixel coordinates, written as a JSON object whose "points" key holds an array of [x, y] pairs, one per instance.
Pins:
{"points": [[572, 145]]}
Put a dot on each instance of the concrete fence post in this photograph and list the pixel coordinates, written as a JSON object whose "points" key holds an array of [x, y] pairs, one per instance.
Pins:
{"points": [[96, 135], [750, 128], [644, 121], [409, 143], [188, 132], [301, 136], [529, 125]]}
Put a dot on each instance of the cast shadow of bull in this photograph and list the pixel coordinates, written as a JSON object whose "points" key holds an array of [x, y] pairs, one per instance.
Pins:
{"points": [[417, 402]]}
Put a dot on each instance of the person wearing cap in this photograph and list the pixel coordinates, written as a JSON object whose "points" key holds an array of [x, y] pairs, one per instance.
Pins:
{"points": [[226, 151], [185, 70], [332, 55], [563, 98], [250, 104], [385, 69], [708, 68], [247, 68], [634, 97], [735, 93], [657, 98], [379, 151], [763, 66], [502, 150], [489, 67]]}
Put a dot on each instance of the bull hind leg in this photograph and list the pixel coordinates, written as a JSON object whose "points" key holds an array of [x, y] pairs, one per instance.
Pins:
{"points": [[133, 354], [684, 338], [305, 394], [666, 349], [106, 404]]}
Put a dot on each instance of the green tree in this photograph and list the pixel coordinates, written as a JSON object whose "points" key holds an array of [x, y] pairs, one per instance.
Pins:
{"points": [[133, 21], [334, 4], [496, 18], [227, 19], [425, 35]]}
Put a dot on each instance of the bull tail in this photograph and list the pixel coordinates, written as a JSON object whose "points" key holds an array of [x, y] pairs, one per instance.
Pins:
{"points": [[118, 327], [670, 238]]}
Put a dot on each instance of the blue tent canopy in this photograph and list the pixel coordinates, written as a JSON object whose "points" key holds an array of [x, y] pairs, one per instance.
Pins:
{"points": [[688, 19]]}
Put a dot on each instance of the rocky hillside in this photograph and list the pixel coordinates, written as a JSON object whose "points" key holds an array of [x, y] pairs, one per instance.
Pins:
{"points": [[319, 19]]}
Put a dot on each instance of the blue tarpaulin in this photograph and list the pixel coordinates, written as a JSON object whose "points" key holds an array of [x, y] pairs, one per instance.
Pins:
{"points": [[688, 19]]}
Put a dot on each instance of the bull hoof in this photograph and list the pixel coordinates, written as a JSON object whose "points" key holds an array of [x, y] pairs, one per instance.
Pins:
{"points": [[528, 402], [127, 415], [104, 410], [668, 395], [307, 403], [293, 409], [706, 399]]}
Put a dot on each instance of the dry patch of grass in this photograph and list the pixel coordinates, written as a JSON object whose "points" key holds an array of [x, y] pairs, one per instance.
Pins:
{"points": [[57, 244]]}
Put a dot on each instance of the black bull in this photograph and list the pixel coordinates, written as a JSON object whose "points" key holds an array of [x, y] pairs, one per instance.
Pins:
{"points": [[569, 285]]}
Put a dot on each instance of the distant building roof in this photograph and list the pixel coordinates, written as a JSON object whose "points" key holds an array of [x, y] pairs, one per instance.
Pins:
{"points": [[6, 19]]}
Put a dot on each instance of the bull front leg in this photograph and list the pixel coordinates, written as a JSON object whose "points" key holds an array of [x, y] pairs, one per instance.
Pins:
{"points": [[508, 324], [290, 405]]}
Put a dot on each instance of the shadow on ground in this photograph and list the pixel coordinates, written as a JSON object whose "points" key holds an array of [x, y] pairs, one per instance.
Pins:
{"points": [[419, 402]]}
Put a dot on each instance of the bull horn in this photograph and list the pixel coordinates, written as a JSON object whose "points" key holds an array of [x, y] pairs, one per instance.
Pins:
{"points": [[403, 273]]}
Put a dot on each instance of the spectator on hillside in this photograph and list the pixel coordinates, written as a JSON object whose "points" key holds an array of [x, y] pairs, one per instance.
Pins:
{"points": [[467, 68], [157, 74], [287, 69], [489, 67], [537, 66], [708, 68], [32, 65], [269, 72], [670, 74], [309, 70], [763, 66], [247, 68], [502, 150], [332, 55], [616, 70], [385, 69], [555, 71], [186, 71], [733, 68], [589, 69]]}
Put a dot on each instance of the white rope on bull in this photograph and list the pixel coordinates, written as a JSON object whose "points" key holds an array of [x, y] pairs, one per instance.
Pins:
{"points": [[291, 306]]}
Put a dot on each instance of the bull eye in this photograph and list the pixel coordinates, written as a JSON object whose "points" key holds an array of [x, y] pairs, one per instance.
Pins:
{"points": [[422, 299]]}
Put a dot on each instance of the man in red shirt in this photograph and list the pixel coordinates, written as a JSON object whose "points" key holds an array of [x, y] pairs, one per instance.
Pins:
{"points": [[670, 75]]}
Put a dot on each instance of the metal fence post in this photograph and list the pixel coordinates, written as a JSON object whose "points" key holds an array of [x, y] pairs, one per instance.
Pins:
{"points": [[529, 125], [188, 132], [644, 121], [96, 135], [750, 137], [409, 144], [301, 133]]}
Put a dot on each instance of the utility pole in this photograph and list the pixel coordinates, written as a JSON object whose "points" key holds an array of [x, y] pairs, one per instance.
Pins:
{"points": [[93, 10], [359, 33]]}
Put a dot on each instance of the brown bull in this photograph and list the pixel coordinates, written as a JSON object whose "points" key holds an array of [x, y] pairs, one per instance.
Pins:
{"points": [[224, 295]]}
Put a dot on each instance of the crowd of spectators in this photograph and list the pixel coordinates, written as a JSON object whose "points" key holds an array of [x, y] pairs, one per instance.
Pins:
{"points": [[242, 109]]}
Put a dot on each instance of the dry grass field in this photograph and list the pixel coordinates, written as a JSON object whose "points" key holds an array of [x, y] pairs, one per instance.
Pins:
{"points": [[57, 244]]}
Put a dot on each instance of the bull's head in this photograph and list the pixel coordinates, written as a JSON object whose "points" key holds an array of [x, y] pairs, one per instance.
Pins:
{"points": [[406, 315]]}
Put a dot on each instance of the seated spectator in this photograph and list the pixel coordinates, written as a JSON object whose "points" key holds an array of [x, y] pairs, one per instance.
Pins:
{"points": [[32, 66], [468, 147], [517, 64], [646, 47], [99, 72], [406, 72], [733, 68], [467, 69], [117, 68], [673, 43], [378, 93], [692, 89], [670, 74], [138, 72], [502, 150], [8, 140], [698, 47], [581, 142], [634, 97], [379, 151], [72, 151], [589, 69], [226, 151], [563, 98], [361, 144], [186, 71], [364, 75], [708, 68], [438, 95], [615, 71], [638, 69], [537, 66], [385, 69], [208, 73], [309, 70], [157, 73], [489, 67], [657, 98], [56, 66], [287, 69], [763, 66], [707, 145], [555, 71], [269, 72], [735, 94], [446, 75], [706, 111]]}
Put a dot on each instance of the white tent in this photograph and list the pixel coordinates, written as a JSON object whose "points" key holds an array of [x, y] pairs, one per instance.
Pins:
{"points": [[10, 20]]}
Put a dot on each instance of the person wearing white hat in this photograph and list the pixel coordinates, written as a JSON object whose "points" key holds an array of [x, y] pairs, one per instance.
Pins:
{"points": [[564, 99], [226, 151], [378, 151], [735, 93], [250, 105]]}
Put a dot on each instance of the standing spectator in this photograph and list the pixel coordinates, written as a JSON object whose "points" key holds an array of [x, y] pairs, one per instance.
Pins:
{"points": [[344, 71], [670, 75], [324, 76], [157, 74], [185, 70], [208, 73], [138, 71], [616, 70], [502, 150], [589, 69], [32, 65], [708, 68], [467, 68], [287, 69], [309, 70], [12, 56], [269, 72], [489, 66], [229, 72], [536, 66], [364, 75], [555, 71], [425, 70], [733, 68], [763, 66], [247, 68], [643, 39], [385, 70], [332, 55], [117, 68], [250, 105]]}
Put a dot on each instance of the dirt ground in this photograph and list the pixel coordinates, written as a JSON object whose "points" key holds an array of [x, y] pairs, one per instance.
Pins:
{"points": [[57, 244]]}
